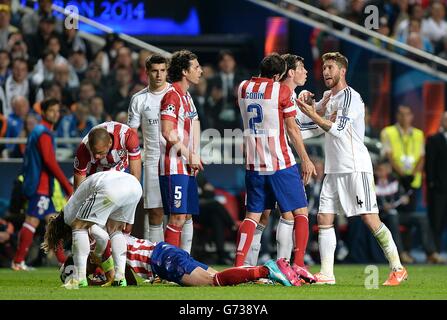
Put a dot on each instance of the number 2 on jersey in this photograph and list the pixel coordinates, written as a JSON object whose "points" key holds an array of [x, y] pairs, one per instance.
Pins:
{"points": [[256, 108]]}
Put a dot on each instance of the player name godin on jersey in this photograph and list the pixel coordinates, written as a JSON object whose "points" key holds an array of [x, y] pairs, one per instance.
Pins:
{"points": [[254, 95]]}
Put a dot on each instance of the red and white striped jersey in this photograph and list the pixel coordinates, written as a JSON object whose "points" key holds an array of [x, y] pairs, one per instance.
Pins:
{"points": [[177, 106], [264, 104], [139, 252], [125, 147]]}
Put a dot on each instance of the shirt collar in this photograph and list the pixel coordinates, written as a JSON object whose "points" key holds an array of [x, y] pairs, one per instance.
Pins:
{"points": [[47, 124], [177, 87]]}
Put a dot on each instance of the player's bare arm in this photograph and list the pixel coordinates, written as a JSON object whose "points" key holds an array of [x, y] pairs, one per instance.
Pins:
{"points": [[294, 133], [135, 168], [77, 180]]}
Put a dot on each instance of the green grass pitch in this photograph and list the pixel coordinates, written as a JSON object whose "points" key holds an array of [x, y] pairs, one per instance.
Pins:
{"points": [[425, 282]]}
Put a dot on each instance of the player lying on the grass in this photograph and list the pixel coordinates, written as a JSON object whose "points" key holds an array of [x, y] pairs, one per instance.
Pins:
{"points": [[147, 259], [106, 199]]}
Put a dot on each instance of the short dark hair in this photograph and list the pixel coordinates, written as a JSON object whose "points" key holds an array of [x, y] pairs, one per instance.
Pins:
{"points": [[272, 65], [98, 134], [155, 59], [340, 60], [180, 60], [46, 104], [291, 62]]}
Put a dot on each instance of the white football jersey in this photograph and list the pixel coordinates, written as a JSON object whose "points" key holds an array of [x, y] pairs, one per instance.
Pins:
{"points": [[345, 151], [144, 110]]}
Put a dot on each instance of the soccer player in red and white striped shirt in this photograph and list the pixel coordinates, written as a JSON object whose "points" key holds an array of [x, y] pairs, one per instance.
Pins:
{"points": [[180, 137], [271, 172], [108, 146]]}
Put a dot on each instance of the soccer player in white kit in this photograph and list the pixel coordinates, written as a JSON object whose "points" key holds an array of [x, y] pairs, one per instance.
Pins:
{"points": [[144, 110], [107, 199], [349, 183]]}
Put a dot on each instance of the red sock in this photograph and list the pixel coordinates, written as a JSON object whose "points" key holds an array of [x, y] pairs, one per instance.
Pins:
{"points": [[244, 239], [301, 237], [60, 256], [26, 236], [173, 235], [233, 276]]}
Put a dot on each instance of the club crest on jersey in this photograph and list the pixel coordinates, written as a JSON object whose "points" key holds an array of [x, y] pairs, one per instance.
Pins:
{"points": [[177, 203]]}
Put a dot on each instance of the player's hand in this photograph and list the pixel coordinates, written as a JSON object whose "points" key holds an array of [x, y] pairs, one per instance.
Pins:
{"points": [[306, 96], [307, 170], [307, 109], [323, 104], [333, 116], [195, 163]]}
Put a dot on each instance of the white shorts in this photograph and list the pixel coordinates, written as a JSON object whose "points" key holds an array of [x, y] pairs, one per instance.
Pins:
{"points": [[117, 201], [152, 195], [349, 193]]}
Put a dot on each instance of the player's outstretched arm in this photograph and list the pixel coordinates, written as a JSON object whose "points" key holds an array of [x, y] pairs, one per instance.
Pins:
{"points": [[294, 133]]}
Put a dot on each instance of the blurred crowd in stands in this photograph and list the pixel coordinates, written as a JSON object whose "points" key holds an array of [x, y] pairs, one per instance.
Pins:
{"points": [[417, 23], [41, 59]]}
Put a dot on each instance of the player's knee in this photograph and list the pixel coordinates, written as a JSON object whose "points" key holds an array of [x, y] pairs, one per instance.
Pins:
{"points": [[155, 216], [32, 221], [79, 224], [264, 220], [177, 220], [325, 220], [114, 226]]}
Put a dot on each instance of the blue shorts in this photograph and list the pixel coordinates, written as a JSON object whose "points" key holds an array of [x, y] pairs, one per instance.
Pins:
{"points": [[179, 194], [283, 187], [171, 263], [40, 206]]}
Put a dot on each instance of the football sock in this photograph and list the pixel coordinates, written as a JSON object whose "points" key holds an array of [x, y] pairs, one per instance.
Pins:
{"points": [[233, 276], [101, 237], [301, 237], [146, 228], [81, 249], [243, 240], [327, 243], [156, 233], [173, 235], [186, 237], [251, 258], [284, 238], [119, 251], [386, 242], [26, 236]]}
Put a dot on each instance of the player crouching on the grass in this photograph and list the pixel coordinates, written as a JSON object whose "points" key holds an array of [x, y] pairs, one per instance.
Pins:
{"points": [[147, 259], [106, 199]]}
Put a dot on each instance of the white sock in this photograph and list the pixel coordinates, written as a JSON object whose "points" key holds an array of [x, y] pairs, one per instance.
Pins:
{"points": [[81, 249], [156, 233], [284, 238], [146, 228], [386, 242], [327, 243], [187, 233], [251, 259], [119, 252], [101, 237]]}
